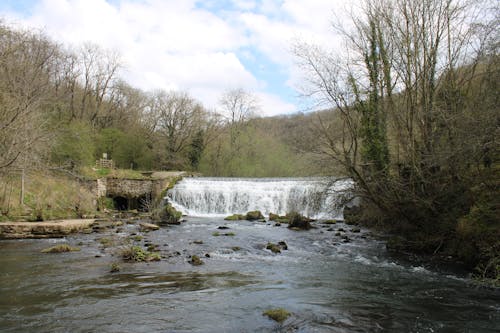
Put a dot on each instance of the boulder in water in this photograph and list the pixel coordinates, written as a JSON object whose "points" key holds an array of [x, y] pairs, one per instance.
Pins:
{"points": [[149, 226], [279, 315], [254, 215], [297, 221], [170, 215], [196, 261], [275, 248], [235, 217]]}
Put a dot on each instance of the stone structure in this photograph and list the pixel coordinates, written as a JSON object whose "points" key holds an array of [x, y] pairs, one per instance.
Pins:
{"points": [[132, 193], [52, 229]]}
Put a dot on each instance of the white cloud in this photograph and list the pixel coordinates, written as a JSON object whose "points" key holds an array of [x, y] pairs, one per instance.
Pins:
{"points": [[173, 44]]}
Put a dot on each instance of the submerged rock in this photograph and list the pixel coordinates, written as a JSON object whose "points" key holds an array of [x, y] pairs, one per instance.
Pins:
{"points": [[148, 226], [279, 315], [196, 261], [275, 248], [283, 245], [114, 268]]}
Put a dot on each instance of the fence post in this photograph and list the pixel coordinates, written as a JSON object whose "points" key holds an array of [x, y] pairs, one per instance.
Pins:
{"points": [[22, 187]]}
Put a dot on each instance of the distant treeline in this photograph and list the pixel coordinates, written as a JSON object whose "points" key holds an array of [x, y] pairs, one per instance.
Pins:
{"points": [[66, 107]]}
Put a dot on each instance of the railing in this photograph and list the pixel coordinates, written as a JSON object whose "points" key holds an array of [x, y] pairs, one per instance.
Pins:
{"points": [[105, 164]]}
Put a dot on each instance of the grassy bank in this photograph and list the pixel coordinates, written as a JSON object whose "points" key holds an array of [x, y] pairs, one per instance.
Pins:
{"points": [[47, 195]]}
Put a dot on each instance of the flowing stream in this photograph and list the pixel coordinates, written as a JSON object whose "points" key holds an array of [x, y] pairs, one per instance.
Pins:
{"points": [[328, 284]]}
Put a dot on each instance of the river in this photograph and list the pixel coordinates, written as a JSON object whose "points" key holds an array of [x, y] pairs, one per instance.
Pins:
{"points": [[327, 284]]}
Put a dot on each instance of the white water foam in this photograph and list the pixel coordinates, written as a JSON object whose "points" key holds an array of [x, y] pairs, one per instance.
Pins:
{"points": [[216, 197]]}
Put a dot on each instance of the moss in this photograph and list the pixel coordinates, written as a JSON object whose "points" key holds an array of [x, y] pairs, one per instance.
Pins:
{"points": [[230, 234], [216, 234], [298, 221], [329, 222], [235, 217], [106, 242], [279, 315], [115, 268], [155, 256], [137, 238], [236, 248], [196, 261], [170, 215], [273, 217], [60, 248], [254, 215], [138, 254], [275, 248], [152, 247], [105, 203]]}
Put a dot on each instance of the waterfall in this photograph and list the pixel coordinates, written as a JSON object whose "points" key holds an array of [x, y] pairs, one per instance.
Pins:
{"points": [[205, 196]]}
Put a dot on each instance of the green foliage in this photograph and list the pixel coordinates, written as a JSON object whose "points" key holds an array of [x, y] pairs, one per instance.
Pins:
{"points": [[138, 254], [196, 150], [74, 145], [260, 153]]}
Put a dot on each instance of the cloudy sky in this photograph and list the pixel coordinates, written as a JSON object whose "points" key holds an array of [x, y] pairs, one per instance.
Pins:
{"points": [[204, 47]]}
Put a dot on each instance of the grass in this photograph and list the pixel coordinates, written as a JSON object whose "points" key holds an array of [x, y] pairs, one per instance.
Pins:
{"points": [[138, 254], [47, 196], [60, 249], [94, 173]]}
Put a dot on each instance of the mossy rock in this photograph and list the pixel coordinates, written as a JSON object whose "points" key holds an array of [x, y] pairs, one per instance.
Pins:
{"points": [[279, 315], [273, 247], [170, 215], [329, 222], [298, 221], [278, 218], [138, 254], [114, 268], [235, 217], [60, 249], [254, 215], [196, 261], [273, 217]]}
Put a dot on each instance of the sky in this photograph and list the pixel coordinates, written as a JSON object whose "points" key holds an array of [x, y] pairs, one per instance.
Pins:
{"points": [[203, 47]]}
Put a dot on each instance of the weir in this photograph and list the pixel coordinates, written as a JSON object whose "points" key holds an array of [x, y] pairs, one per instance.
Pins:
{"points": [[206, 196]]}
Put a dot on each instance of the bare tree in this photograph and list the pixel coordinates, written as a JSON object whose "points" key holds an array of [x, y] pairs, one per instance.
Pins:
{"points": [[176, 118], [399, 90], [238, 106], [26, 69]]}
